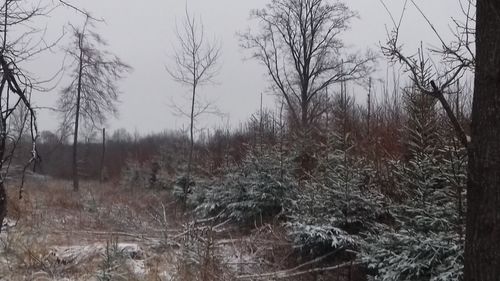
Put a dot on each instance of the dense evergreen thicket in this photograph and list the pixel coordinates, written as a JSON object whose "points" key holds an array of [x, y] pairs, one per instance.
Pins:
{"points": [[391, 197]]}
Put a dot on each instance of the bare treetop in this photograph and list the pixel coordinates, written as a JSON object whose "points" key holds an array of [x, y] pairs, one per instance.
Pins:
{"points": [[100, 72], [195, 57], [299, 43]]}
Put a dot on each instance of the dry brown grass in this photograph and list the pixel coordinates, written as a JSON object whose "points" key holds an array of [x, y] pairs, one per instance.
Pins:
{"points": [[100, 207], [51, 217]]}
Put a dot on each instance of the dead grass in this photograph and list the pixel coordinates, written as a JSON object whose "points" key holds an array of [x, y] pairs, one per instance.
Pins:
{"points": [[61, 234], [51, 215], [100, 207]]}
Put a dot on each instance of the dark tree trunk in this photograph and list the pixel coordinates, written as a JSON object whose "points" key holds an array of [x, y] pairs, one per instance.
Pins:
{"points": [[76, 179], [482, 249], [3, 143], [187, 184], [103, 155], [3, 204]]}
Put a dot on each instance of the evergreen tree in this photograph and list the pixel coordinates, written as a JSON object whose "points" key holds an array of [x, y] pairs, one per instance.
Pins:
{"points": [[424, 243]]}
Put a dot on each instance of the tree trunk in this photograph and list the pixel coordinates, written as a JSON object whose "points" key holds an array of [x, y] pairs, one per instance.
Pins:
{"points": [[103, 155], [304, 120], [76, 182], [3, 143], [3, 204], [482, 248], [191, 143], [369, 110]]}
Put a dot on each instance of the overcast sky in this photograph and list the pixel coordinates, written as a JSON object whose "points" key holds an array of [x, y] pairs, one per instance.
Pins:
{"points": [[142, 34]]}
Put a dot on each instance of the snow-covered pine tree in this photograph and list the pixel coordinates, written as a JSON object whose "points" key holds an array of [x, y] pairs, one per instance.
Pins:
{"points": [[424, 244], [334, 209], [252, 192], [455, 157]]}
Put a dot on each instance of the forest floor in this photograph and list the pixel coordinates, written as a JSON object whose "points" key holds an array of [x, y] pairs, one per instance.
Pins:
{"points": [[104, 232]]}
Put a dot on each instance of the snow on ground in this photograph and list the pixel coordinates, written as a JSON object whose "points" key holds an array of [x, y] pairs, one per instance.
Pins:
{"points": [[78, 254]]}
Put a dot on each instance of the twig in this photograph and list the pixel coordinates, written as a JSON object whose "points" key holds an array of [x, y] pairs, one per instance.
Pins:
{"points": [[85, 13]]}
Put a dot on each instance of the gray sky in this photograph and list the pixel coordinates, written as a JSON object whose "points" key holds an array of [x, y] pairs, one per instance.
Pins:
{"points": [[142, 34]]}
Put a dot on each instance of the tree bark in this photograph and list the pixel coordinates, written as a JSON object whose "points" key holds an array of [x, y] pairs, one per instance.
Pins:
{"points": [[76, 179], [482, 248]]}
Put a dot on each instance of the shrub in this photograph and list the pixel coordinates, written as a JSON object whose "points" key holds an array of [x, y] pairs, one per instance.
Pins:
{"points": [[256, 190]]}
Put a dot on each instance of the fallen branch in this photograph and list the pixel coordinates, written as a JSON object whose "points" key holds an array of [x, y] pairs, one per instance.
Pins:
{"points": [[124, 234], [293, 273]]}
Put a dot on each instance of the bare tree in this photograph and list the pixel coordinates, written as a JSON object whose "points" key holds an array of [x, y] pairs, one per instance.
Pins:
{"points": [[299, 43], [457, 59], [92, 93], [195, 64], [15, 86], [20, 41]]}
